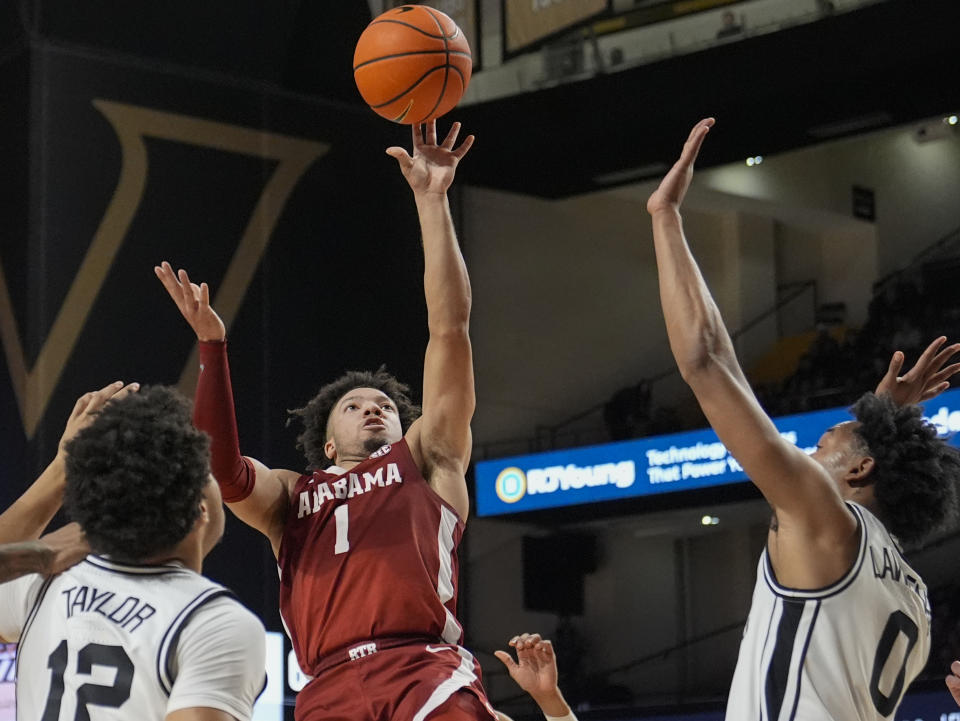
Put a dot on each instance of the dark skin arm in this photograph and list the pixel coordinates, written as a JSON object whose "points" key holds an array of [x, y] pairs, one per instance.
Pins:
{"points": [[51, 554], [535, 671], [817, 535]]}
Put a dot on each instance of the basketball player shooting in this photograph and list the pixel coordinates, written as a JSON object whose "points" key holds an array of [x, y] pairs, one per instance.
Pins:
{"points": [[839, 623], [366, 544], [133, 629]]}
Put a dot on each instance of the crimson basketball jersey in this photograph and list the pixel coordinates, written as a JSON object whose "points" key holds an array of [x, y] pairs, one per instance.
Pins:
{"points": [[368, 554]]}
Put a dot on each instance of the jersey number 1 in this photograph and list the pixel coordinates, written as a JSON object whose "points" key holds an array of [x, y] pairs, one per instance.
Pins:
{"points": [[93, 654], [342, 518]]}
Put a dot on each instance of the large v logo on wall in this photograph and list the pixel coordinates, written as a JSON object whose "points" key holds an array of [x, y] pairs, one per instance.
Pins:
{"points": [[34, 385]]}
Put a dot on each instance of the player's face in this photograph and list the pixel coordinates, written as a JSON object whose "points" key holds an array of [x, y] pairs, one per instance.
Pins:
{"points": [[362, 421], [837, 451], [213, 502]]}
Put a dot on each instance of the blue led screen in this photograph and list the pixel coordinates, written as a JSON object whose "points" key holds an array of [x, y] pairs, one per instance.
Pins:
{"points": [[647, 466]]}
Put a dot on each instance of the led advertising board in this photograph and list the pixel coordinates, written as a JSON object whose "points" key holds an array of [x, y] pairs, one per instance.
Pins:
{"points": [[646, 466]]}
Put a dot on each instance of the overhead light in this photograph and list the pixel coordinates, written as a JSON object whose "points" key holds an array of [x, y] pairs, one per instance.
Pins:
{"points": [[755, 160], [950, 120], [709, 521]]}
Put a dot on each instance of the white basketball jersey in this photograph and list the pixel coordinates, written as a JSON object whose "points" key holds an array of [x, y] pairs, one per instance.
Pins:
{"points": [[105, 641], [844, 653]]}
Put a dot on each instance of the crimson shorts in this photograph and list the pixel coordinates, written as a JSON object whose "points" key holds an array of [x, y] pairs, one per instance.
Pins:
{"points": [[411, 682]]}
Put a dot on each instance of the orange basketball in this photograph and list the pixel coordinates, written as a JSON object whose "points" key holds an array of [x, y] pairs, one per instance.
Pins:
{"points": [[412, 64]]}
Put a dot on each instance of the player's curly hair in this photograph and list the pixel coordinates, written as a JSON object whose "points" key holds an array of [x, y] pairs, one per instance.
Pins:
{"points": [[316, 414], [136, 474], [915, 474]]}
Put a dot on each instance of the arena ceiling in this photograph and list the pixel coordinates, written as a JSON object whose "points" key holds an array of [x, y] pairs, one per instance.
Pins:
{"points": [[884, 65]]}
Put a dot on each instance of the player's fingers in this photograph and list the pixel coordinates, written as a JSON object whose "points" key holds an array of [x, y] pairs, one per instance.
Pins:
{"points": [[507, 660], [948, 372], [513, 641], [101, 396], [165, 274], [955, 668], [432, 132], [451, 139], [81, 404], [190, 290], [933, 392], [953, 684], [925, 361], [417, 135], [402, 157], [125, 391], [692, 147], [944, 355], [183, 280], [545, 648], [896, 363], [464, 146]]}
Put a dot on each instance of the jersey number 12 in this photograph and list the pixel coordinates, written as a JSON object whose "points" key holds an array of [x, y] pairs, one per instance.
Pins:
{"points": [[93, 654]]}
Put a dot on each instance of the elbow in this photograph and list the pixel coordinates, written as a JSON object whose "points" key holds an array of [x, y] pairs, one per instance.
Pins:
{"points": [[703, 358], [451, 323]]}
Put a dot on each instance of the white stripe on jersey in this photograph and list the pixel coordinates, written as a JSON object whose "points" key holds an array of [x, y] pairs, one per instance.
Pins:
{"points": [[169, 642], [846, 652], [448, 524], [452, 630], [462, 676]]}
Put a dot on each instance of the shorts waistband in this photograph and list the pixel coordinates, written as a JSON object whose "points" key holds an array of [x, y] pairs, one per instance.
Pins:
{"points": [[362, 649]]}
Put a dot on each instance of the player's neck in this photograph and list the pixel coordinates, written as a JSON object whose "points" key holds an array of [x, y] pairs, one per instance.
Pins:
{"points": [[348, 462], [188, 552]]}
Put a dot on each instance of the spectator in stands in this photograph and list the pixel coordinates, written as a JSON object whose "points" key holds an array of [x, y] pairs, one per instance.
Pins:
{"points": [[729, 27]]}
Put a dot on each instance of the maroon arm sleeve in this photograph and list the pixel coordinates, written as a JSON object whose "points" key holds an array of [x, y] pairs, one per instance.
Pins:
{"points": [[213, 413]]}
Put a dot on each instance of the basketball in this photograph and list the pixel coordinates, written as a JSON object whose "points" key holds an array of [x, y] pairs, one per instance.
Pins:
{"points": [[412, 64]]}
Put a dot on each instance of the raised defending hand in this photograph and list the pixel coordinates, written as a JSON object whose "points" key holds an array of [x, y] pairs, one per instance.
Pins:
{"points": [[535, 669], [193, 301], [87, 406], [953, 681], [928, 377], [675, 183], [432, 167], [65, 548]]}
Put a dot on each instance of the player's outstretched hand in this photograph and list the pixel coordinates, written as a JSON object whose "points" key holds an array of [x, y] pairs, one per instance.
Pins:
{"points": [[535, 669], [431, 168], [66, 547], [953, 681], [87, 406], [928, 377], [193, 301], [669, 195]]}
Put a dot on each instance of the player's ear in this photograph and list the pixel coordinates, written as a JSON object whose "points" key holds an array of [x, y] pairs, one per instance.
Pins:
{"points": [[330, 449], [858, 474]]}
